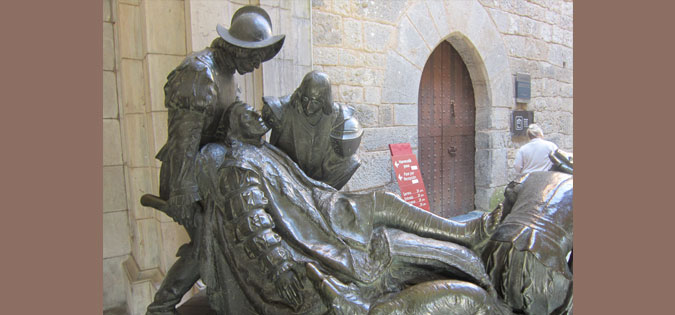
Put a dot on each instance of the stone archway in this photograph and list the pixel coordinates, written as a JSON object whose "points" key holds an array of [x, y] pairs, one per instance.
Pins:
{"points": [[471, 31]]}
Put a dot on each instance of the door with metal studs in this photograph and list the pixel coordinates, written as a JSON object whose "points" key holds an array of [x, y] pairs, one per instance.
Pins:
{"points": [[446, 129]]}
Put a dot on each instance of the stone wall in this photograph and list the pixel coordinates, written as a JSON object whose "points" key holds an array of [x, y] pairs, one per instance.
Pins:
{"points": [[351, 40], [283, 74], [374, 51], [538, 35], [151, 41], [116, 237]]}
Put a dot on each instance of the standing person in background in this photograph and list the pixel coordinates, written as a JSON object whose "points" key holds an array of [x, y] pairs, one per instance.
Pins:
{"points": [[533, 156]]}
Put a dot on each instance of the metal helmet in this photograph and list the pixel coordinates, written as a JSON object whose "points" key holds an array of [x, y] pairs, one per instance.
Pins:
{"points": [[251, 28]]}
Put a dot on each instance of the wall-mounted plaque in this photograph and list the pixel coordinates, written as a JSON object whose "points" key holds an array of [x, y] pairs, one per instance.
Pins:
{"points": [[523, 87]]}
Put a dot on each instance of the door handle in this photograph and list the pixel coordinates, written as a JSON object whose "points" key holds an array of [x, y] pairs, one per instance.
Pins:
{"points": [[452, 151], [452, 107]]}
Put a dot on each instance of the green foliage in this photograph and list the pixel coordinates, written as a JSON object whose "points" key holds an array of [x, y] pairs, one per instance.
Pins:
{"points": [[497, 197]]}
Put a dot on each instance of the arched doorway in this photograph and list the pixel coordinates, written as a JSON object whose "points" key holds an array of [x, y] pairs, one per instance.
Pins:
{"points": [[446, 130]]}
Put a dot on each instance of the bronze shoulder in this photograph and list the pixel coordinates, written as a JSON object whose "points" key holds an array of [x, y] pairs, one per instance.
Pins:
{"points": [[191, 85]]}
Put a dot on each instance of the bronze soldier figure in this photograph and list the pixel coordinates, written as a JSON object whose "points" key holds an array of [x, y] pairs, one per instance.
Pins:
{"points": [[526, 256], [197, 94], [318, 134]]}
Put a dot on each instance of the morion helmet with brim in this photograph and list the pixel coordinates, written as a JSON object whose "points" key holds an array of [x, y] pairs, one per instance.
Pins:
{"points": [[251, 28]]}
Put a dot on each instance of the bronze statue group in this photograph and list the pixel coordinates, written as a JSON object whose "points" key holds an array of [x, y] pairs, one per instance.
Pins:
{"points": [[272, 234]]}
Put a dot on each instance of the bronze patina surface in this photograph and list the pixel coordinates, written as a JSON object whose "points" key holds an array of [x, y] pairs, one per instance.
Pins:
{"points": [[319, 135], [197, 94], [272, 234], [294, 245]]}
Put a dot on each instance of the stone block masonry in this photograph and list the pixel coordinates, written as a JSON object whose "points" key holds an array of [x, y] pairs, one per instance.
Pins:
{"points": [[375, 51]]}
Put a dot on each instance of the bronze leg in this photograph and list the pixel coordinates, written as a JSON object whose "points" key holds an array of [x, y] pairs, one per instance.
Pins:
{"points": [[179, 279], [393, 212]]}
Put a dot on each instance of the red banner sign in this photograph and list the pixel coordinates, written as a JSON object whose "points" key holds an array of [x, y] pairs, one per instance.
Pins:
{"points": [[408, 175]]}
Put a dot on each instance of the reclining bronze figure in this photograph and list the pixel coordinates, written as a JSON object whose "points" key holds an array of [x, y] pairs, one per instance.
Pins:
{"points": [[298, 246]]}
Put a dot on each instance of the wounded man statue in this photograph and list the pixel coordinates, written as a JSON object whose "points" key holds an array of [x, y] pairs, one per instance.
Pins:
{"points": [[271, 240], [275, 241]]}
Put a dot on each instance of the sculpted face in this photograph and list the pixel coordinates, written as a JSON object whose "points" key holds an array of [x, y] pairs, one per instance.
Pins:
{"points": [[311, 102], [247, 64], [251, 123], [243, 60], [315, 95]]}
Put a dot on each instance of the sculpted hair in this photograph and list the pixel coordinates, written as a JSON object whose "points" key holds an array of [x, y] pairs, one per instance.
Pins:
{"points": [[322, 79]]}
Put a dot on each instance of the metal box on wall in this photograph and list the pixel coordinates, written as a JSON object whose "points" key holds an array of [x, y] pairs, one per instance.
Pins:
{"points": [[521, 119]]}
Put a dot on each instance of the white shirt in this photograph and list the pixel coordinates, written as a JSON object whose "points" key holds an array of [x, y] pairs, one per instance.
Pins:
{"points": [[533, 156]]}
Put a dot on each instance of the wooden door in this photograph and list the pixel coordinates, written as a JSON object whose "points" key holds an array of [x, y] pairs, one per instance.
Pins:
{"points": [[446, 128]]}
